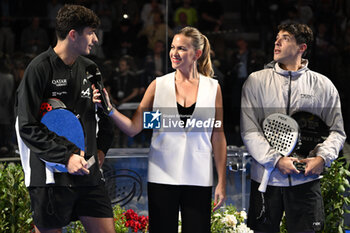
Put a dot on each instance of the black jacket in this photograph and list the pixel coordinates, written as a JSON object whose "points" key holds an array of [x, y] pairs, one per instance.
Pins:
{"points": [[48, 77]]}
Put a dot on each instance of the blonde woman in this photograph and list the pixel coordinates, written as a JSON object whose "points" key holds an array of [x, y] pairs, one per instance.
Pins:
{"points": [[180, 169]]}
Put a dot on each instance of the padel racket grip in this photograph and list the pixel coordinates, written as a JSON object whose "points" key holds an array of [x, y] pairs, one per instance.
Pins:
{"points": [[265, 180], [300, 166]]}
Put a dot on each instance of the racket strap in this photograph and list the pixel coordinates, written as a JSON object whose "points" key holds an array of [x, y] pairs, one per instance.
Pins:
{"points": [[263, 217], [263, 207]]}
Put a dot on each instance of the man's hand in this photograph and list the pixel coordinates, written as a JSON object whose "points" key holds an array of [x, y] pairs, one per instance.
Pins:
{"points": [[314, 165], [77, 165], [286, 166]]}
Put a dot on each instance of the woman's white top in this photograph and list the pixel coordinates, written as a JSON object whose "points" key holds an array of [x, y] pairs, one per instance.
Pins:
{"points": [[183, 155]]}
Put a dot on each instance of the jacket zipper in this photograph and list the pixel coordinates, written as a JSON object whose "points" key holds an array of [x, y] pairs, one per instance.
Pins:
{"points": [[288, 107]]}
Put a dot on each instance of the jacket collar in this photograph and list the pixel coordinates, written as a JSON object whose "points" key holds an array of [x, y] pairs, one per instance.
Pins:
{"points": [[58, 61], [277, 68]]}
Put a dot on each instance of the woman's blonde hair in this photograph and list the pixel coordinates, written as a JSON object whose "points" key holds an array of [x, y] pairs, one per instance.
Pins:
{"points": [[201, 42]]}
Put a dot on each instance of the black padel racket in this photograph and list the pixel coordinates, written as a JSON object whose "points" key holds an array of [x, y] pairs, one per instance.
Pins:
{"points": [[312, 132]]}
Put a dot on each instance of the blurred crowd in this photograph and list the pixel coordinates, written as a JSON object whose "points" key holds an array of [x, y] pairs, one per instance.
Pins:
{"points": [[134, 39]]}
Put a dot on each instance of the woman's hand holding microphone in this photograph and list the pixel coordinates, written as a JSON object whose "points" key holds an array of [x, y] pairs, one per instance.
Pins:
{"points": [[97, 99]]}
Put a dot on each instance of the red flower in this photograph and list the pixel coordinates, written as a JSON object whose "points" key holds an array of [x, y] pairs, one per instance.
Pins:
{"points": [[136, 222]]}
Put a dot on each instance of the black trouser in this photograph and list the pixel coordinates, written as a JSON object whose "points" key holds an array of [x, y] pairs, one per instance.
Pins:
{"points": [[302, 204], [164, 202]]}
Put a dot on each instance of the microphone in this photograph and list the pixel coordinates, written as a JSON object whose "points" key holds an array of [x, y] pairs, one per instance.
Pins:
{"points": [[94, 76]]}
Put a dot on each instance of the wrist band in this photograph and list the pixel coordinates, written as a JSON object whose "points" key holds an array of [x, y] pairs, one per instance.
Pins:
{"points": [[111, 112]]}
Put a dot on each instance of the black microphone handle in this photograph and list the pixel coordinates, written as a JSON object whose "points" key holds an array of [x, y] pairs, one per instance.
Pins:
{"points": [[103, 97]]}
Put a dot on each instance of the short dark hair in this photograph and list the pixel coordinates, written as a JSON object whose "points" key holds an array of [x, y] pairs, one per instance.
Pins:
{"points": [[74, 17], [301, 32]]}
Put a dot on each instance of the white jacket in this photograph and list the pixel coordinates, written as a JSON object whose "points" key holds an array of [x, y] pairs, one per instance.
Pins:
{"points": [[266, 92]]}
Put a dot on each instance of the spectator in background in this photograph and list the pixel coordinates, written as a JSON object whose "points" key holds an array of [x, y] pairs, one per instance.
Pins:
{"points": [[191, 14], [157, 31], [124, 40], [148, 11], [211, 15], [244, 62], [123, 87], [107, 69], [292, 16], [34, 39], [155, 65], [106, 13], [7, 88], [7, 36], [324, 50], [52, 9], [305, 12], [20, 62], [216, 64], [182, 17]]}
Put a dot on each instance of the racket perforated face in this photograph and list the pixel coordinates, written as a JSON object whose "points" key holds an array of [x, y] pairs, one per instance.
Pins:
{"points": [[282, 132]]}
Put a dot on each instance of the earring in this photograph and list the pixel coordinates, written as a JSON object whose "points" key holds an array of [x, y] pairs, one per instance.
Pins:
{"points": [[194, 70]]}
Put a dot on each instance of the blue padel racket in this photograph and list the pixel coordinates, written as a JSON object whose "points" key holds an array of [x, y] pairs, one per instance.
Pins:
{"points": [[64, 123]]}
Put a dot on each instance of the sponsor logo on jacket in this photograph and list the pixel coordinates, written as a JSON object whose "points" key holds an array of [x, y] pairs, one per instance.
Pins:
{"points": [[59, 82], [85, 93]]}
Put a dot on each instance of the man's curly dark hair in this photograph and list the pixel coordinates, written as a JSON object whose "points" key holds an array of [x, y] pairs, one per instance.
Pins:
{"points": [[74, 17]]}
